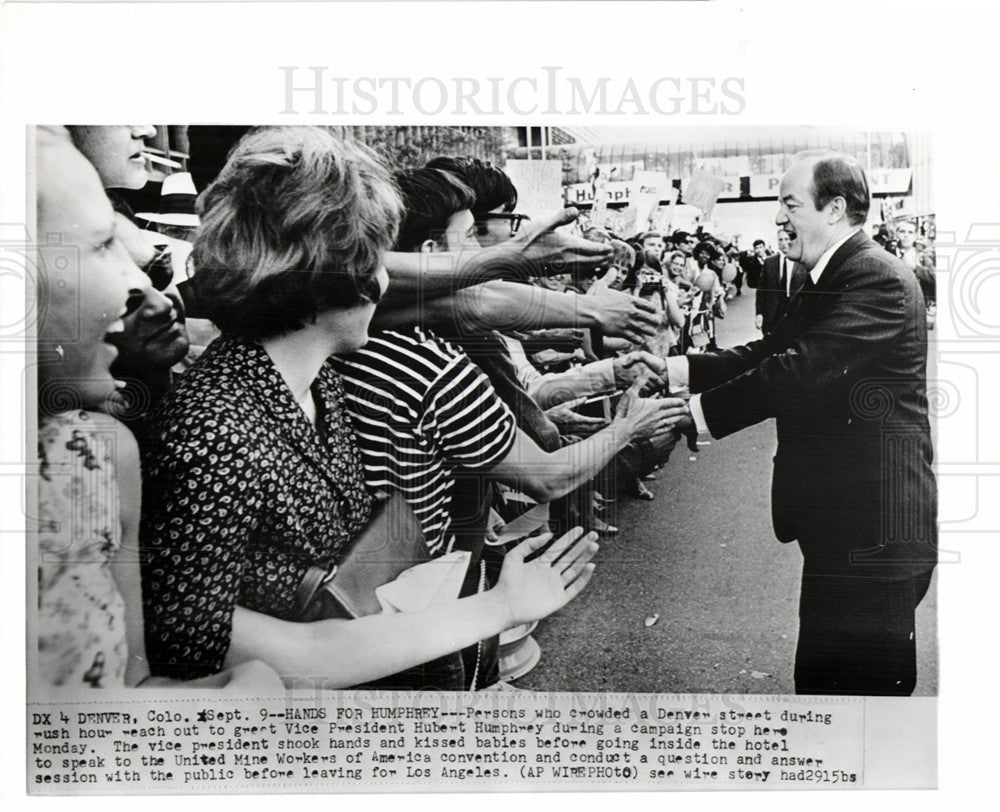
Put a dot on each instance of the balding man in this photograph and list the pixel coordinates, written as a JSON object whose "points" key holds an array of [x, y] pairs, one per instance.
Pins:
{"points": [[844, 376]]}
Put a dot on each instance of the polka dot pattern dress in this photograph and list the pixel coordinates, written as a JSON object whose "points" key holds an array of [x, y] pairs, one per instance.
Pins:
{"points": [[241, 495]]}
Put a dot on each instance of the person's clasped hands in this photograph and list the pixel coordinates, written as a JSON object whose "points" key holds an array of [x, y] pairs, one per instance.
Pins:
{"points": [[685, 425]]}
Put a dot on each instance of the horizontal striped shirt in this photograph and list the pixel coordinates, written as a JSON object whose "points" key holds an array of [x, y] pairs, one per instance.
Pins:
{"points": [[422, 409]]}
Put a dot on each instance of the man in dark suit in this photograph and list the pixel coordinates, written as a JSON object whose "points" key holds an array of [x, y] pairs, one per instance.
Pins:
{"points": [[780, 278], [844, 376], [752, 263]]}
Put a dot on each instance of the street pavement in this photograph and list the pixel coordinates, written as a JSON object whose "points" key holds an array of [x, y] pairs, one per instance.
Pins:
{"points": [[702, 559]]}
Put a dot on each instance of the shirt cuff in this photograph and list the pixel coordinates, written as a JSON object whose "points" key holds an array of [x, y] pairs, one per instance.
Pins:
{"points": [[677, 373], [697, 414]]}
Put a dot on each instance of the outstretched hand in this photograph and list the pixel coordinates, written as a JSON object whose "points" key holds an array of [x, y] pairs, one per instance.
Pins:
{"points": [[620, 315], [532, 590], [642, 418], [558, 252], [572, 422]]}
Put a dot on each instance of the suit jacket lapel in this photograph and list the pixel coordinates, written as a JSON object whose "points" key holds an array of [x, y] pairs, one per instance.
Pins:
{"points": [[808, 296], [857, 242]]}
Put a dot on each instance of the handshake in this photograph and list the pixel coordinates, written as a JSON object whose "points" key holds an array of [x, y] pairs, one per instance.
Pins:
{"points": [[648, 403], [642, 365]]}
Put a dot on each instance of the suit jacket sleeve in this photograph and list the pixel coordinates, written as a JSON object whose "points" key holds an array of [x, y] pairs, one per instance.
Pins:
{"points": [[751, 269], [759, 301], [764, 286], [806, 363]]}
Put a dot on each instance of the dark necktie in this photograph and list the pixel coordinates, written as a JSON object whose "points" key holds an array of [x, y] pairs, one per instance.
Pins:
{"points": [[784, 276], [799, 305]]}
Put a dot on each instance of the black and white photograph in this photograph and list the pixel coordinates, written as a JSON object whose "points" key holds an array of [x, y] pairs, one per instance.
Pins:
{"points": [[456, 429], [330, 338]]}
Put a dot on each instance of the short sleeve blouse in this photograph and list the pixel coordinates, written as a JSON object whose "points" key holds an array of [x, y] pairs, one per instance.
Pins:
{"points": [[241, 495]]}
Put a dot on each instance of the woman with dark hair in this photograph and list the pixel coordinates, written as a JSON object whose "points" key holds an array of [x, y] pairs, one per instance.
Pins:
{"points": [[705, 252], [253, 474], [434, 202]]}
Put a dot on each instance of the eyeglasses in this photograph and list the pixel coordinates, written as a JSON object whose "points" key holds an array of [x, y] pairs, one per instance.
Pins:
{"points": [[515, 220], [160, 269], [371, 289]]}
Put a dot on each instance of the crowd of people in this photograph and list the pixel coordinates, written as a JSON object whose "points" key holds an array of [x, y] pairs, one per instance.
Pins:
{"points": [[229, 410], [688, 277], [233, 389]]}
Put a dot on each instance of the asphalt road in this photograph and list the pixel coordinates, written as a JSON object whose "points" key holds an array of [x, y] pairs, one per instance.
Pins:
{"points": [[702, 557]]}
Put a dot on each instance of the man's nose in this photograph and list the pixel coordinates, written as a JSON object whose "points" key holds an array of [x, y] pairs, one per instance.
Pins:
{"points": [[155, 303], [133, 278]]}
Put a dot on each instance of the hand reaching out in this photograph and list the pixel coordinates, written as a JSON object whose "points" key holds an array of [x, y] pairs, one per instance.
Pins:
{"points": [[619, 314], [556, 251], [641, 418], [535, 589], [572, 422]]}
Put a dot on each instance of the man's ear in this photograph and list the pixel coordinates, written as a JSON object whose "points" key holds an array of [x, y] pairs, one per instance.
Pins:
{"points": [[429, 247], [837, 210]]}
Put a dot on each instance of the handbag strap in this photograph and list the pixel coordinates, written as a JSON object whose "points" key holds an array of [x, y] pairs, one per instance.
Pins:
{"points": [[313, 581], [317, 576]]}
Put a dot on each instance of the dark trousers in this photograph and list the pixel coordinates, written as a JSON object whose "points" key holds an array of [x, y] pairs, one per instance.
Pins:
{"points": [[856, 627]]}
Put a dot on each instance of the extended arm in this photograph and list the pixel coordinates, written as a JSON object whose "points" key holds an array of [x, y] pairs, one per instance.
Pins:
{"points": [[596, 378], [539, 250], [547, 476], [351, 652], [416, 275], [513, 306], [817, 367]]}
